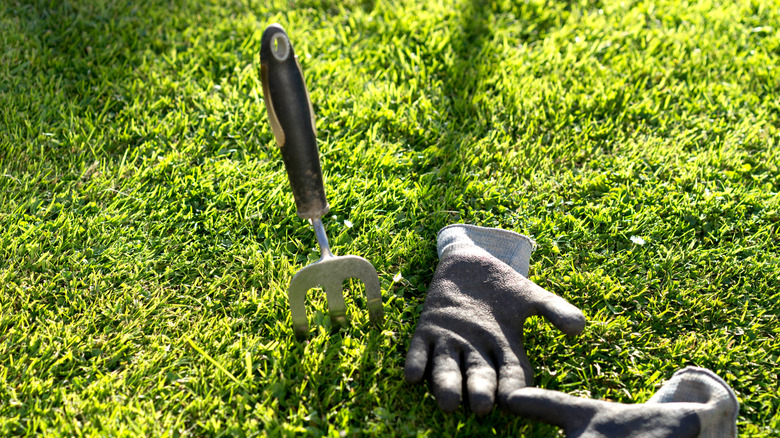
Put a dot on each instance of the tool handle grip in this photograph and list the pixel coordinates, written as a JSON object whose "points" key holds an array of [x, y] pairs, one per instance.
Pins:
{"points": [[292, 121]]}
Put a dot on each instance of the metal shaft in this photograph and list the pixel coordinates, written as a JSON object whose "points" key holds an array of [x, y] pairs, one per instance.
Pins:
{"points": [[322, 238]]}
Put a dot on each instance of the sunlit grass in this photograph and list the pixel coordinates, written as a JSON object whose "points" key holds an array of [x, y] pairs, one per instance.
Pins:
{"points": [[148, 235]]}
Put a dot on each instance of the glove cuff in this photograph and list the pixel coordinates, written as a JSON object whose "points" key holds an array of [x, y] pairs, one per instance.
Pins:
{"points": [[511, 248], [700, 385]]}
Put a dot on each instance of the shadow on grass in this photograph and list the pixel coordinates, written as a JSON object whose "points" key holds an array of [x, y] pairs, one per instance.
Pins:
{"points": [[468, 98], [469, 103], [471, 97]]}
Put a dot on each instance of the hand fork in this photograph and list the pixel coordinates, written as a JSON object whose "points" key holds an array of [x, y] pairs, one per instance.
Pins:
{"points": [[292, 122]]}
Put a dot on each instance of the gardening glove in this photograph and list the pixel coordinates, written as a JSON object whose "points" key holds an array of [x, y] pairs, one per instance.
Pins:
{"points": [[471, 327], [694, 403]]}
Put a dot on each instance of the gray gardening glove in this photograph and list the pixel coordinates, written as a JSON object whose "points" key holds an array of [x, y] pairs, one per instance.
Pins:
{"points": [[471, 327], [694, 403]]}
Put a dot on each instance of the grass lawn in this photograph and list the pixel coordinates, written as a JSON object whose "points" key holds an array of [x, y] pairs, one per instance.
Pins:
{"points": [[148, 233]]}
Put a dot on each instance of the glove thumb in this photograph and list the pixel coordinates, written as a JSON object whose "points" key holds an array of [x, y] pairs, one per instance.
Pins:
{"points": [[562, 314]]}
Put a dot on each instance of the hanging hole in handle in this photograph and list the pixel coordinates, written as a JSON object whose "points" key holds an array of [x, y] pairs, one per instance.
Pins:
{"points": [[280, 47]]}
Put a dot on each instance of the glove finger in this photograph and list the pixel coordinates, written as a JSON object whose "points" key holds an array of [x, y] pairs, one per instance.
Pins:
{"points": [[562, 314], [480, 382], [581, 416], [551, 407], [446, 378], [416, 359], [514, 372]]}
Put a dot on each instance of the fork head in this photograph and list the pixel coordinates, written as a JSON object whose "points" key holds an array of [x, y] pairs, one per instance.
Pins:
{"points": [[329, 274]]}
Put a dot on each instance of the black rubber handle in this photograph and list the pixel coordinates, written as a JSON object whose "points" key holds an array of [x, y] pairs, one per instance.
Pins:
{"points": [[292, 121]]}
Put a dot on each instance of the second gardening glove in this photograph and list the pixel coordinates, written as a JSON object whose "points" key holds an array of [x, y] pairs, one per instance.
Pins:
{"points": [[695, 402], [471, 326]]}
